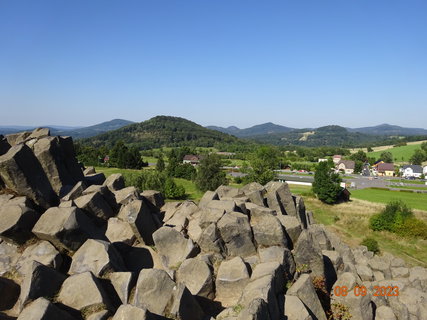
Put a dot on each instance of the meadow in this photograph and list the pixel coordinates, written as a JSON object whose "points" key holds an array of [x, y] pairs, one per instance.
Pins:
{"points": [[400, 154], [350, 221]]}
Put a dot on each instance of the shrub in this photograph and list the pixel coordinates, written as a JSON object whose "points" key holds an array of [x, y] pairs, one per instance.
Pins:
{"points": [[371, 244], [398, 218]]}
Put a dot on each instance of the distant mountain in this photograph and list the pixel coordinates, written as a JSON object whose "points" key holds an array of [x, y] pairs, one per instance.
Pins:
{"points": [[164, 131], [87, 132], [75, 132], [261, 129], [324, 136], [390, 130]]}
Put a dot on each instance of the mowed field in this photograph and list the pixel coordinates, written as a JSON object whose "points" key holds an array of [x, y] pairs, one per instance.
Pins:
{"points": [[400, 154]]}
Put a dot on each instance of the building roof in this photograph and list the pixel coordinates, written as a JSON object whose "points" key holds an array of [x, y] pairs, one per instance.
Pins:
{"points": [[337, 156], [349, 164], [385, 167], [415, 168], [191, 157]]}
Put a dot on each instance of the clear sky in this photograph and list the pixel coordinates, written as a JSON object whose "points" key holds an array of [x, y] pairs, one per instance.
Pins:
{"points": [[299, 63]]}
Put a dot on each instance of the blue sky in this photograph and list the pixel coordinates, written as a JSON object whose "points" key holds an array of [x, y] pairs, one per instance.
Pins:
{"points": [[301, 63]]}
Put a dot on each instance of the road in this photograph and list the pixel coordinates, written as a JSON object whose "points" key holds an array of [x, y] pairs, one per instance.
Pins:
{"points": [[356, 181]]}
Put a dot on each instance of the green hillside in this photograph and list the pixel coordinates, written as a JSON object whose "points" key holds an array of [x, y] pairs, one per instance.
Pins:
{"points": [[164, 131], [400, 154]]}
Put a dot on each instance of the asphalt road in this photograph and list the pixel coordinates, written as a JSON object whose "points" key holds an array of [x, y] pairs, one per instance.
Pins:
{"points": [[356, 181]]}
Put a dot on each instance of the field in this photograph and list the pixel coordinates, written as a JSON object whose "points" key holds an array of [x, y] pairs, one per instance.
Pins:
{"points": [[350, 221], [412, 199], [400, 154]]}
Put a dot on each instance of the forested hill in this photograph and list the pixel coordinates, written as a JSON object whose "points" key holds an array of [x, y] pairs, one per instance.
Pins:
{"points": [[324, 136], [165, 131]]}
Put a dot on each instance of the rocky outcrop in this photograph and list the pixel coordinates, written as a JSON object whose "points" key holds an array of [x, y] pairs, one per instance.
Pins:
{"points": [[75, 245]]}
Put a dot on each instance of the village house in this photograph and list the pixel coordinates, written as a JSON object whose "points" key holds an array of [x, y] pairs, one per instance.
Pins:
{"points": [[336, 158], [425, 170], [384, 169], [191, 159], [411, 171], [347, 166]]}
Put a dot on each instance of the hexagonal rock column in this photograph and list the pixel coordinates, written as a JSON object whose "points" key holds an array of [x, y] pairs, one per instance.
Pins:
{"points": [[98, 257], [16, 223], [231, 279], [66, 228], [173, 246], [83, 290], [21, 172]]}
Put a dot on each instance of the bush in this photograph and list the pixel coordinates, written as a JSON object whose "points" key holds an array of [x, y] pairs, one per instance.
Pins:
{"points": [[398, 218], [371, 244]]}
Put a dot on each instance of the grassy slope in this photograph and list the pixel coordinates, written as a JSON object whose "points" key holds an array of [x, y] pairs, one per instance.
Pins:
{"points": [[350, 220], [400, 154], [412, 199]]}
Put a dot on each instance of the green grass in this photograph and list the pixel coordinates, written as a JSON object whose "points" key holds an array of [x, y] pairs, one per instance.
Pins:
{"points": [[400, 154], [190, 189], [408, 187], [109, 171], [413, 200], [408, 181]]}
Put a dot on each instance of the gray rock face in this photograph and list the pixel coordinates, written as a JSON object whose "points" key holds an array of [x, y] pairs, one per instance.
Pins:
{"points": [[154, 197], [279, 198], [75, 192], [262, 288], [40, 281], [268, 231], [16, 223], [281, 255], [208, 197], [123, 282], [57, 158], [210, 240], [232, 278], [95, 205], [292, 227], [21, 172], [173, 246], [308, 252], [184, 305], [304, 290], [94, 179], [115, 181], [256, 310], [98, 257], [66, 228], [236, 232], [209, 216], [83, 290], [120, 231], [106, 193], [295, 309], [360, 307], [42, 309], [42, 252], [384, 313], [196, 275], [140, 219], [9, 255], [126, 195], [227, 192], [154, 291], [127, 312]]}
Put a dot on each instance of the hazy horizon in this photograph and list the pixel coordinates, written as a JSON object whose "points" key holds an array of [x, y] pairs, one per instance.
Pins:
{"points": [[243, 63]]}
